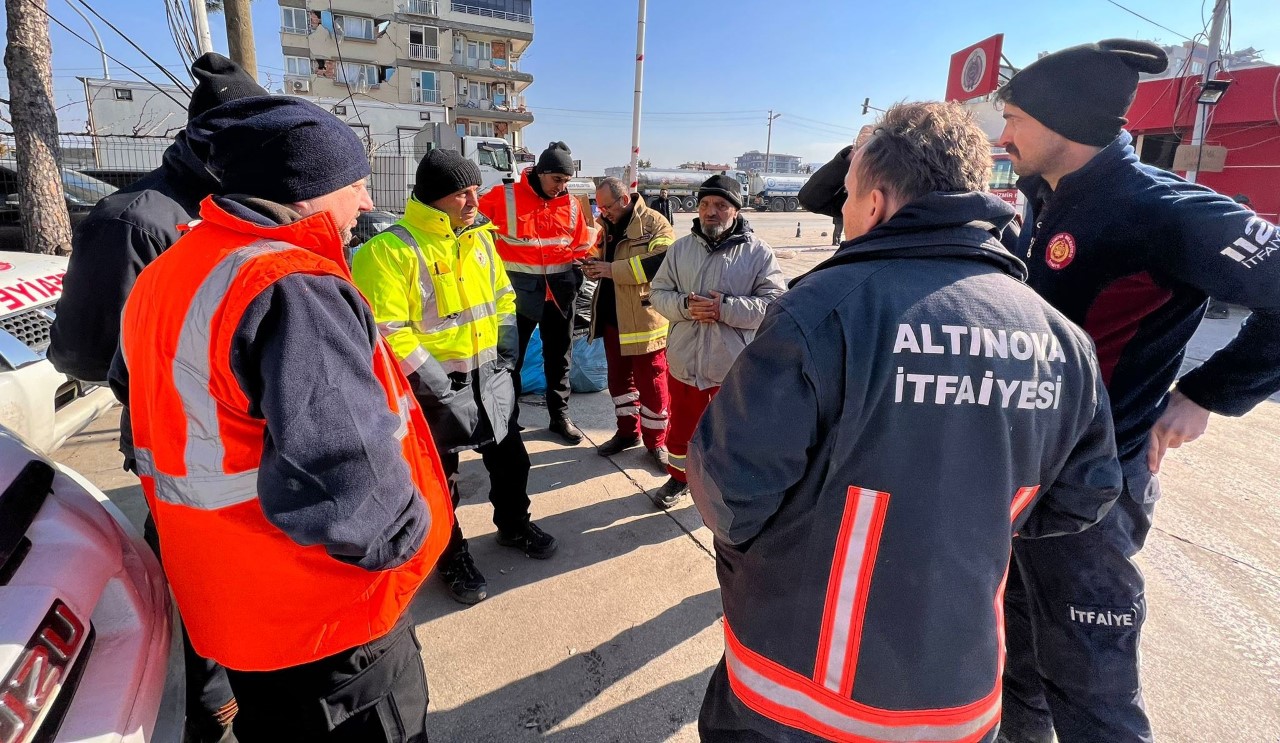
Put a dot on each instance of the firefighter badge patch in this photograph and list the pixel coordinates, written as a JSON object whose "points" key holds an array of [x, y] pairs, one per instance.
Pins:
{"points": [[1061, 251]]}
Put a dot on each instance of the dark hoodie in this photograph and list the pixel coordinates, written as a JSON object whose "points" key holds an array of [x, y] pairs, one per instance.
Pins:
{"points": [[933, 405], [124, 232]]}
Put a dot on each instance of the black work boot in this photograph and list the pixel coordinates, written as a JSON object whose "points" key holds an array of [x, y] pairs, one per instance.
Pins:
{"points": [[530, 540], [669, 494], [465, 582], [618, 443], [564, 428]]}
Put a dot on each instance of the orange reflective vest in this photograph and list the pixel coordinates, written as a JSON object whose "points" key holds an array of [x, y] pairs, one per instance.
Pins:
{"points": [[537, 235], [251, 598]]}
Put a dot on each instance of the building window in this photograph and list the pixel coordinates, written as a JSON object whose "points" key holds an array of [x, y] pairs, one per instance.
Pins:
{"points": [[293, 20], [423, 43], [353, 27], [479, 91], [355, 73], [478, 53], [300, 66], [124, 94], [425, 88], [480, 128]]}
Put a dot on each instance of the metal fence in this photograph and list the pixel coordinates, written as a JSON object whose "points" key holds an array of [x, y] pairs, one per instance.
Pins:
{"points": [[120, 160]]}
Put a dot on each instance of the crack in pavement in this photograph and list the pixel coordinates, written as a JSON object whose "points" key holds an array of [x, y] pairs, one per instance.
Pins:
{"points": [[645, 492], [1211, 550]]}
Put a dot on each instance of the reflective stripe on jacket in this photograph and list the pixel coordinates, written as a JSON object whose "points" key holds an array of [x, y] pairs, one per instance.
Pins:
{"points": [[641, 329], [537, 235], [445, 305], [251, 597]]}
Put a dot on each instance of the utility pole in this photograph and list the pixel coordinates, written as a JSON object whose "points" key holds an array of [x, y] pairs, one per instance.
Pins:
{"points": [[634, 171], [1213, 63], [240, 35], [200, 19], [768, 143], [42, 216]]}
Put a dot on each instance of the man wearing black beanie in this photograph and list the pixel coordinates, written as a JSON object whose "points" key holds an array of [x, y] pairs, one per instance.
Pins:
{"points": [[542, 235], [1130, 253], [121, 235], [298, 497], [439, 292]]}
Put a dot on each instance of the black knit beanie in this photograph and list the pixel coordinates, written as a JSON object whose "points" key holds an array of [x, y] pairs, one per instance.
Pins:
{"points": [[443, 172], [279, 148], [555, 159], [723, 186], [218, 80], [1084, 92]]}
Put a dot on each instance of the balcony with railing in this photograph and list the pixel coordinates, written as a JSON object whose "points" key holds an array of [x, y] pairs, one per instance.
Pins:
{"points": [[424, 52], [500, 15], [423, 7], [426, 95]]}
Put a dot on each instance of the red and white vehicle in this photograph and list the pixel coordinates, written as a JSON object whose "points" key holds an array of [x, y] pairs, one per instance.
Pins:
{"points": [[88, 648], [41, 405], [1003, 179]]}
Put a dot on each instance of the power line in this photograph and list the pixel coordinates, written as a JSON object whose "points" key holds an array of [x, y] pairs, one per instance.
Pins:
{"points": [[1148, 20], [650, 113], [181, 85], [342, 72], [68, 29], [824, 123]]}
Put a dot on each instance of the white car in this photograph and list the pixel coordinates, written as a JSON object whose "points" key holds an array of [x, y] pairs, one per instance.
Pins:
{"points": [[88, 645], [37, 402]]}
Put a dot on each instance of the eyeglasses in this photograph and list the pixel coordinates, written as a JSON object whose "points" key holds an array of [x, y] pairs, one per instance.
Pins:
{"points": [[606, 207]]}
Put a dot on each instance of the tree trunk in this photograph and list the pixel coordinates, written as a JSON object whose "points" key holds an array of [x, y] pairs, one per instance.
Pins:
{"points": [[240, 35], [46, 226]]}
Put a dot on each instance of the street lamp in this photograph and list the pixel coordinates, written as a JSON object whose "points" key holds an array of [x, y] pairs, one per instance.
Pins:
{"points": [[1212, 91]]}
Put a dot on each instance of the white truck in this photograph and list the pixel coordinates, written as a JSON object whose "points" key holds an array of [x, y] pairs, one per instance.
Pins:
{"points": [[681, 184], [775, 192], [393, 174]]}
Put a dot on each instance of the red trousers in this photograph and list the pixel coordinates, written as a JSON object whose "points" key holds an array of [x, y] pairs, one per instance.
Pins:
{"points": [[687, 405], [639, 388]]}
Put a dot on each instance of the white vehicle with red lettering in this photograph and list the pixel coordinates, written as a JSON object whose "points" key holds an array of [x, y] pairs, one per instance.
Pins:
{"points": [[37, 402], [88, 644]]}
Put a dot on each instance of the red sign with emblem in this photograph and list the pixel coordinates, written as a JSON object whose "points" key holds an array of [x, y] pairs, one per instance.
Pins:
{"points": [[975, 70], [1060, 251]]}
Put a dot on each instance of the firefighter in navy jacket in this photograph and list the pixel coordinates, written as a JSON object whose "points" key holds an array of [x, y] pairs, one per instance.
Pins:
{"points": [[1131, 253], [919, 405]]}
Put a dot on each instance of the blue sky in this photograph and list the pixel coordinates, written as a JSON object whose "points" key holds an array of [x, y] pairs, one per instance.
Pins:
{"points": [[714, 68]]}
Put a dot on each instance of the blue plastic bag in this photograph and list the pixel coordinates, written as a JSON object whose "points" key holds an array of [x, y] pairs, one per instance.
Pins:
{"points": [[532, 379], [590, 371]]}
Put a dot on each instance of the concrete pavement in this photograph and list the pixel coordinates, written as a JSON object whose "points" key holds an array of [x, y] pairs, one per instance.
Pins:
{"points": [[614, 637]]}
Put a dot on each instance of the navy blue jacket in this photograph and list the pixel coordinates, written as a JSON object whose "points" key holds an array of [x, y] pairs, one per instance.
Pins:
{"points": [[1131, 253], [904, 409], [123, 233]]}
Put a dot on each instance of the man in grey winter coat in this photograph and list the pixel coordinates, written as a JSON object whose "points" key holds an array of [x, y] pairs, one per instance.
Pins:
{"points": [[714, 287]]}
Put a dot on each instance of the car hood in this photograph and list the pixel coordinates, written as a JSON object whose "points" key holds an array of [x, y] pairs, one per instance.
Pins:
{"points": [[29, 280]]}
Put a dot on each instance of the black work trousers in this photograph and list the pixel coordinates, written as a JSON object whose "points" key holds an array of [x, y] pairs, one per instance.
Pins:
{"points": [[554, 317], [372, 693], [508, 466]]}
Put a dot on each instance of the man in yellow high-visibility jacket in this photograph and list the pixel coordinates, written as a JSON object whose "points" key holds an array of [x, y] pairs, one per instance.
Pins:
{"points": [[443, 301]]}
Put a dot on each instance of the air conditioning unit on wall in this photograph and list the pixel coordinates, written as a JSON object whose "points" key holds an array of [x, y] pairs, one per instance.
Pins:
{"points": [[500, 88], [300, 86]]}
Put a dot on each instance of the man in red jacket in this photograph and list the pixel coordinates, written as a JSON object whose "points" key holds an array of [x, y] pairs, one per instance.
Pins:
{"points": [[541, 233]]}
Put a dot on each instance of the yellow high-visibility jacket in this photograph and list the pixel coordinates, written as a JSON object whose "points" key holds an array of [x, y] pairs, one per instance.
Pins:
{"points": [[445, 305]]}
